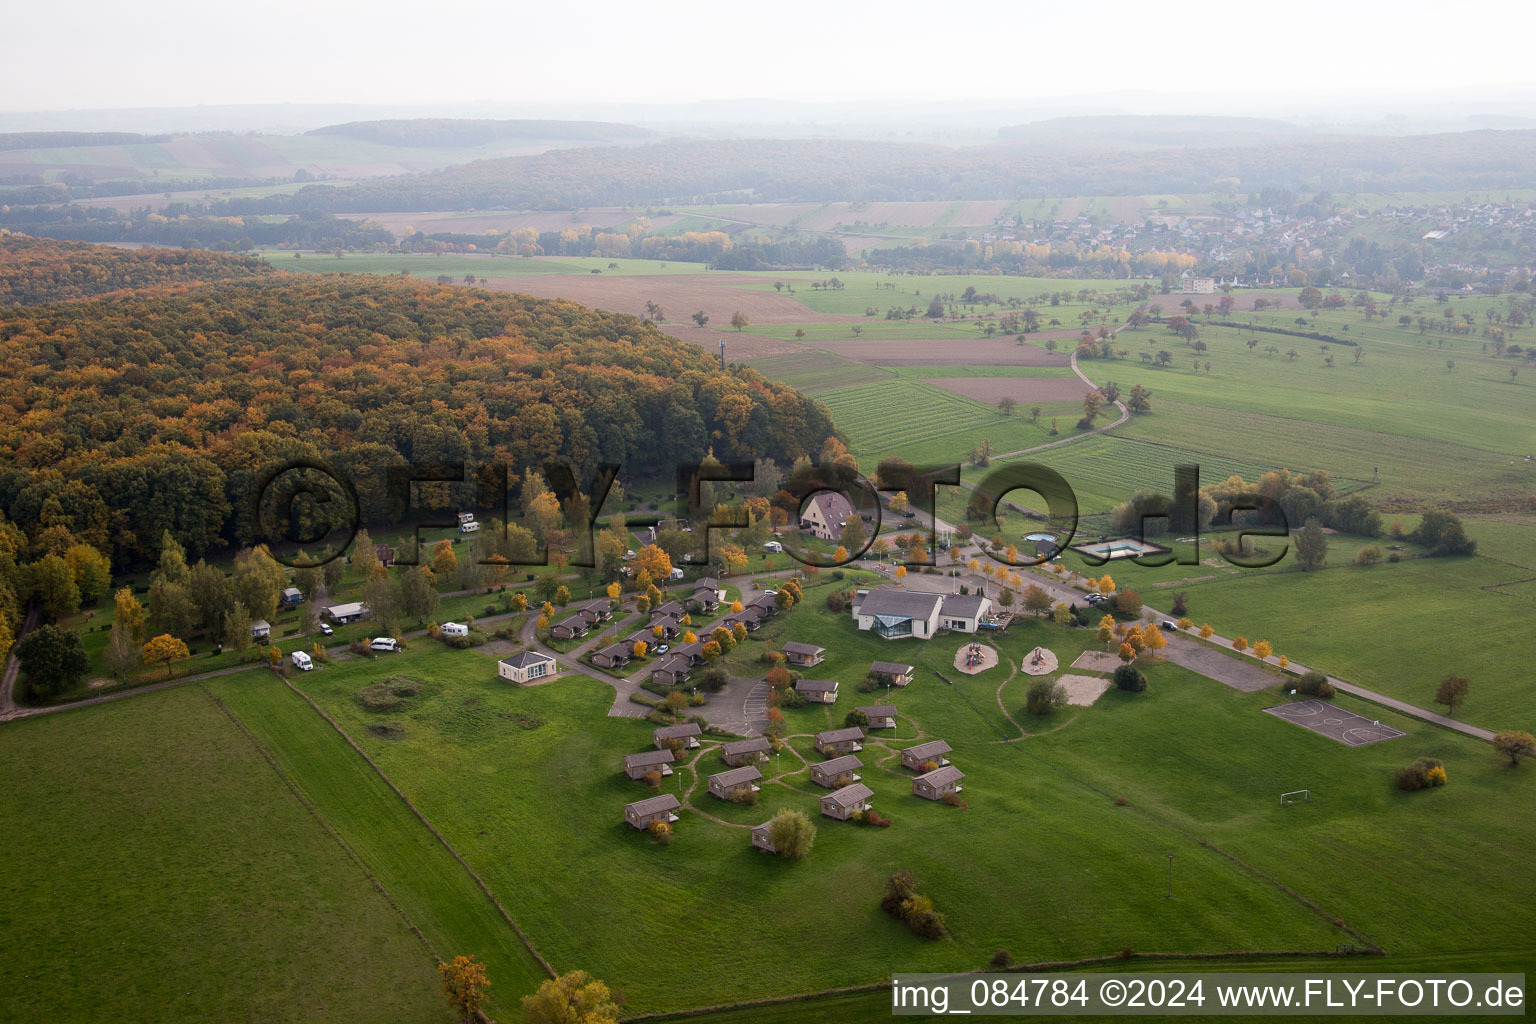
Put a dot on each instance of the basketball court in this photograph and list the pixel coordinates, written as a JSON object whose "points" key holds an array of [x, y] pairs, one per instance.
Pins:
{"points": [[1347, 727]]}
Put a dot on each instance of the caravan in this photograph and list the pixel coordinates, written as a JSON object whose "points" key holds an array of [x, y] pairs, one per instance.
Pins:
{"points": [[301, 661], [455, 629]]}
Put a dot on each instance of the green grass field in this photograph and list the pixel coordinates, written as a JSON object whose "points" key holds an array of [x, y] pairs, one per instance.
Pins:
{"points": [[158, 868]]}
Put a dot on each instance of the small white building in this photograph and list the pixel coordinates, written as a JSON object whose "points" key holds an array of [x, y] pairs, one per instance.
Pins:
{"points": [[261, 629], [455, 629], [526, 667]]}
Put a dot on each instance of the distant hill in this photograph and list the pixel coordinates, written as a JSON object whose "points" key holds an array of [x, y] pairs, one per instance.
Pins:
{"points": [[825, 170], [60, 140], [454, 132], [1112, 132], [36, 270]]}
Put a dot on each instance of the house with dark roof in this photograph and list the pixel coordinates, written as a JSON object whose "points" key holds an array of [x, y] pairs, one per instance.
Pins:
{"points": [[898, 613], [673, 671], [891, 673], [761, 839], [817, 691], [726, 783], [931, 752], [637, 766], [594, 612], [703, 600], [670, 610], [804, 655], [843, 803], [341, 614], [613, 656], [842, 770], [840, 741], [768, 604], [292, 597], [687, 733], [745, 751], [712, 585], [751, 618], [933, 785], [824, 514], [570, 628], [658, 808], [526, 666], [964, 612], [881, 716]]}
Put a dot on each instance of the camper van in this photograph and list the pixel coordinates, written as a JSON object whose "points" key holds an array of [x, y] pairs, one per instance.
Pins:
{"points": [[469, 526], [773, 547], [301, 661], [455, 629], [466, 517], [384, 643]]}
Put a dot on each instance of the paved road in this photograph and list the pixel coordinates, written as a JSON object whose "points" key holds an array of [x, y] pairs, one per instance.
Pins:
{"points": [[8, 707]]}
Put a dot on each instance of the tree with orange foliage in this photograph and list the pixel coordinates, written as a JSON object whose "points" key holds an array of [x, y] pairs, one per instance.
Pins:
{"points": [[165, 649], [464, 983]]}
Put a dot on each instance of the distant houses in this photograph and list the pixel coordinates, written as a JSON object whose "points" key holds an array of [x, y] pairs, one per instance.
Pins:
{"points": [[881, 716], [924, 753], [843, 803], [726, 783], [935, 784], [839, 770], [761, 838], [673, 671], [526, 666], [804, 655], [687, 733], [570, 628], [817, 691], [261, 630], [641, 813], [638, 766], [291, 597], [834, 742], [745, 751]]}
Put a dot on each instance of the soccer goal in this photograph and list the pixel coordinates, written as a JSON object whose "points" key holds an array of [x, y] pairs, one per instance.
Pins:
{"points": [[1286, 799]]}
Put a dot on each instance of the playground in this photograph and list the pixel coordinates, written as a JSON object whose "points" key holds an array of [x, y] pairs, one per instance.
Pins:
{"points": [[1347, 727], [975, 657], [1039, 662]]}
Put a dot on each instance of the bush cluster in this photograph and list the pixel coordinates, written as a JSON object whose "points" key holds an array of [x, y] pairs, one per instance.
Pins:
{"points": [[1424, 773], [1315, 684], [903, 902], [1130, 679]]}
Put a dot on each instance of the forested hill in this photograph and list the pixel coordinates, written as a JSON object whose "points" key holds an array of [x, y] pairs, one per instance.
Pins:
{"points": [[123, 418], [822, 170], [458, 131], [34, 270]]}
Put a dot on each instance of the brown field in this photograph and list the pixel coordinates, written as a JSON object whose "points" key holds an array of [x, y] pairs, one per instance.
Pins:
{"points": [[1021, 389], [980, 213], [916, 214], [679, 295], [951, 351], [556, 220], [770, 214]]}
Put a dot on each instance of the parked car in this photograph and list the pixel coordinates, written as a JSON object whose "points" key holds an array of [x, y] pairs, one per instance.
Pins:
{"points": [[1096, 599], [326, 630], [384, 643], [662, 649], [1167, 624], [908, 514]]}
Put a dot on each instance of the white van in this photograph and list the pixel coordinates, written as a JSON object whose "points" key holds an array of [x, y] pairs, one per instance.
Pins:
{"points": [[384, 643], [301, 661], [773, 547], [455, 629], [469, 527]]}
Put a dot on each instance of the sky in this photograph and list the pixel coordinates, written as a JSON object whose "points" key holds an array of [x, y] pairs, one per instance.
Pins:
{"points": [[109, 54]]}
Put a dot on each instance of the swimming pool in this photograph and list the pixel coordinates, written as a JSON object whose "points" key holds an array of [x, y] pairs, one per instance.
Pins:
{"points": [[1120, 549]]}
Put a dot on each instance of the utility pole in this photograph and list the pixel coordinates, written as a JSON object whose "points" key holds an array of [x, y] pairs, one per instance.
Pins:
{"points": [[722, 353]]}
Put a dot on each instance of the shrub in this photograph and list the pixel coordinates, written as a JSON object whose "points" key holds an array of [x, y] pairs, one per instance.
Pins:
{"points": [[1424, 773], [792, 834], [952, 800], [1002, 958], [1119, 801], [1130, 679], [1126, 604], [652, 778], [1180, 605], [1410, 779], [899, 888], [1043, 697], [1311, 682], [1368, 556], [743, 795], [661, 832], [856, 717]]}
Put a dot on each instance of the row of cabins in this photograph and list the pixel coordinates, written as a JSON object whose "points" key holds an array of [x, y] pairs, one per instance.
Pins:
{"points": [[839, 773]]}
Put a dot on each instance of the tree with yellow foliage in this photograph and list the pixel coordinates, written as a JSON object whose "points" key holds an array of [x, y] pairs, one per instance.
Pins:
{"points": [[1185, 623], [520, 601], [464, 984], [1282, 661], [901, 572], [1106, 630], [1127, 653], [733, 558], [1239, 643], [1206, 631], [639, 649], [612, 590], [737, 606], [165, 649], [690, 637], [1106, 584], [574, 998], [653, 563], [1262, 650], [444, 561], [129, 613]]}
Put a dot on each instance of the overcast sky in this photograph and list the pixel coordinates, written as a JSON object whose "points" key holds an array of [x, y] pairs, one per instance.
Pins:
{"points": [[107, 53]]}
